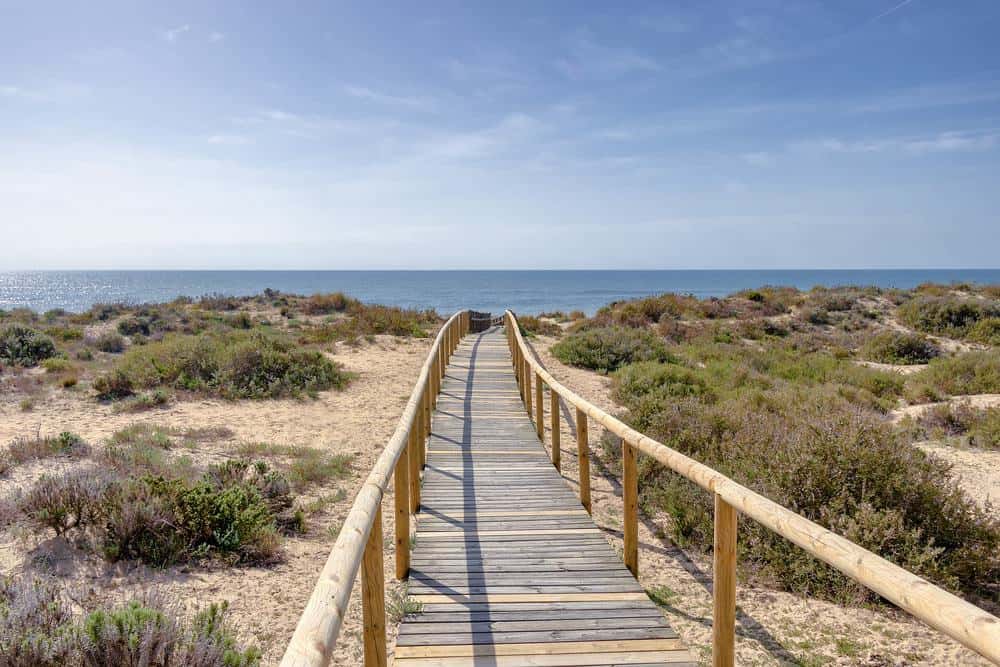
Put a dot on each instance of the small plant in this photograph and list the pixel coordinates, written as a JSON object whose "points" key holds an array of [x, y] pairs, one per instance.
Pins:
{"points": [[143, 402], [64, 444], [110, 341], [662, 596], [74, 500], [607, 349], [23, 346], [400, 605], [894, 347]]}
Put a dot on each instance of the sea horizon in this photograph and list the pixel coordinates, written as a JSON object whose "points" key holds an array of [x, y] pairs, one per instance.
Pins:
{"points": [[522, 290]]}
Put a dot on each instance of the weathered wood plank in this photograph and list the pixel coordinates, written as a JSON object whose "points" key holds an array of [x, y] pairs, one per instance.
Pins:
{"points": [[509, 566]]}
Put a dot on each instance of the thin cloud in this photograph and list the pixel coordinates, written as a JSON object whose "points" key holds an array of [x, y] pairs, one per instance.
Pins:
{"points": [[172, 34], [589, 59], [365, 93], [229, 140], [891, 10], [959, 141], [215, 37]]}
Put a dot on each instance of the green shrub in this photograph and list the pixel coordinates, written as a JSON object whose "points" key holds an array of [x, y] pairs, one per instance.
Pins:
{"points": [[607, 349], [24, 346], [948, 315], [531, 326], [895, 347], [40, 447], [58, 365], [979, 427], [813, 452], [36, 624], [73, 500], [131, 326], [976, 372], [986, 331], [324, 304], [235, 364], [109, 341]]}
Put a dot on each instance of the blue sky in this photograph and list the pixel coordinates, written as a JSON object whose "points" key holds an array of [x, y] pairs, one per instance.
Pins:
{"points": [[431, 135]]}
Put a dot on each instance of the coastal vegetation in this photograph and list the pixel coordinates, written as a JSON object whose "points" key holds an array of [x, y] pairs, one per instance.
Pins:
{"points": [[774, 387], [226, 488], [273, 345]]}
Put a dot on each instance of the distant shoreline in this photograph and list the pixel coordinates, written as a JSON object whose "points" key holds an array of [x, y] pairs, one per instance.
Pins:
{"points": [[525, 291]]}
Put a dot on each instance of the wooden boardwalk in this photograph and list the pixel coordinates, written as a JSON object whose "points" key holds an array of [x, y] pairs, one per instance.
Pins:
{"points": [[508, 565]]}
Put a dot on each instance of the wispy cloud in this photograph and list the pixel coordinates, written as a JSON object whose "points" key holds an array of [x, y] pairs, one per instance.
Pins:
{"points": [[172, 34], [670, 24], [891, 10], [50, 92], [215, 37], [759, 159], [960, 141], [513, 129], [931, 95], [586, 58], [229, 139], [365, 93]]}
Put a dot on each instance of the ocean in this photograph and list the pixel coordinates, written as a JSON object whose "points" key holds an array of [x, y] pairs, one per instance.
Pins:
{"points": [[446, 291]]}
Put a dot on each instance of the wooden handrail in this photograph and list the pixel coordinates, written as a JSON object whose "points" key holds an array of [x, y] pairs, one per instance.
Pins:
{"points": [[360, 538], [960, 620]]}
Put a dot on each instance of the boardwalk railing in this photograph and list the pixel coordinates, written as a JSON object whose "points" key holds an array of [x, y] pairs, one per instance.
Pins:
{"points": [[948, 613], [359, 544]]}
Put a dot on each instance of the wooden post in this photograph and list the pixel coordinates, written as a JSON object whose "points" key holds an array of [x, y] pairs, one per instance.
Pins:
{"points": [[583, 457], [401, 485], [554, 416], [526, 369], [422, 446], [724, 585], [539, 408], [373, 596], [630, 496], [413, 443]]}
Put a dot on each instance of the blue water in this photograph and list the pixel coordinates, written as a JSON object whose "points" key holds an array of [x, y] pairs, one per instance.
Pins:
{"points": [[447, 291]]}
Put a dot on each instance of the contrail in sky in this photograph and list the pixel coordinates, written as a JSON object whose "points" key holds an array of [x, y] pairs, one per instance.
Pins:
{"points": [[890, 10]]}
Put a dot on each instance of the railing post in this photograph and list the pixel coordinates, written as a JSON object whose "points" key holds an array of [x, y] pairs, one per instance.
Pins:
{"points": [[554, 416], [373, 596], [583, 457], [425, 436], [724, 585], [413, 444], [401, 485], [526, 369], [539, 408], [630, 497]]}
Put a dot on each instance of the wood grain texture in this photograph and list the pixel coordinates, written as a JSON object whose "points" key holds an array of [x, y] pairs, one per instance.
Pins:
{"points": [[509, 567]]}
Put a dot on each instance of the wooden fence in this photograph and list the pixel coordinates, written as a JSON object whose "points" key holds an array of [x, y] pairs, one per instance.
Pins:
{"points": [[359, 544], [960, 620]]}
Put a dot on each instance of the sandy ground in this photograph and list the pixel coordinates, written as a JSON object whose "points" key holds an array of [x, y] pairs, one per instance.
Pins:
{"points": [[265, 603], [774, 627], [977, 470]]}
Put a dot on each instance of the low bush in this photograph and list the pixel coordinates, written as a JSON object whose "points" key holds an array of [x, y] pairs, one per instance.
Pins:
{"points": [[324, 304], [976, 372], [953, 316], [607, 349], [896, 347], [109, 341], [40, 447], [812, 451], [143, 402], [986, 331], [235, 364], [978, 427], [39, 629], [532, 326], [73, 500], [232, 511], [24, 346]]}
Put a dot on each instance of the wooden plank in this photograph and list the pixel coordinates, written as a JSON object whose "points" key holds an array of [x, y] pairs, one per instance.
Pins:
{"points": [[678, 658], [430, 599], [540, 648], [506, 559]]}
